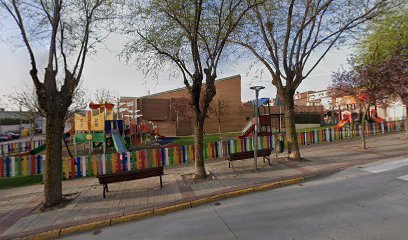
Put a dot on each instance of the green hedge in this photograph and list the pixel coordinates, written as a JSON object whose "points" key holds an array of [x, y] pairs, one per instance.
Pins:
{"points": [[308, 118]]}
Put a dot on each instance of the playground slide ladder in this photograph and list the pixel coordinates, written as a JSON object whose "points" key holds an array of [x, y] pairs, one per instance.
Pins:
{"points": [[117, 140]]}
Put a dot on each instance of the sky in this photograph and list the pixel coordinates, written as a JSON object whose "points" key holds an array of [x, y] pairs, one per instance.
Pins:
{"points": [[106, 70]]}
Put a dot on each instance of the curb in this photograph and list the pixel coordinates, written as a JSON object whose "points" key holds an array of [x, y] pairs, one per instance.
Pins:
{"points": [[52, 234]]}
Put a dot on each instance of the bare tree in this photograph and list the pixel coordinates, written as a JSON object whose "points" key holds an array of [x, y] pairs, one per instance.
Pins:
{"points": [[27, 98], [183, 109], [103, 95], [182, 106], [290, 38], [219, 108], [189, 36], [70, 29], [364, 86]]}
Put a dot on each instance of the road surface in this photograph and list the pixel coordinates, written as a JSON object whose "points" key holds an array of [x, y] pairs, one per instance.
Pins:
{"points": [[368, 202]]}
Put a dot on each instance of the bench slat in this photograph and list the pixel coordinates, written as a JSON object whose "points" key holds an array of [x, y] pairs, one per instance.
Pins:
{"points": [[249, 154], [265, 153], [131, 175], [105, 179]]}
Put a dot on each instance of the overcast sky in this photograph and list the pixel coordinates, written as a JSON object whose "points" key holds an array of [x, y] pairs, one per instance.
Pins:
{"points": [[106, 70]]}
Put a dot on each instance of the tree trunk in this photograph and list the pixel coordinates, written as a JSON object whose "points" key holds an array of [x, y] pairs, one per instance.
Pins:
{"points": [[363, 130], [291, 136], [219, 126], [200, 172], [53, 179]]}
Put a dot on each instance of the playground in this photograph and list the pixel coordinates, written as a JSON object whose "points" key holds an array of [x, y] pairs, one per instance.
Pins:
{"points": [[97, 132], [352, 116], [100, 143], [147, 199]]}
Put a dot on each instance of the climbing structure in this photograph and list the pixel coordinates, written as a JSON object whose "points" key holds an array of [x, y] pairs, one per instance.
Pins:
{"points": [[265, 121]]}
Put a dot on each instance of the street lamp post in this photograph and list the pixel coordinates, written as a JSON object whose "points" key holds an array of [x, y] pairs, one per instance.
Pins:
{"points": [[257, 89]]}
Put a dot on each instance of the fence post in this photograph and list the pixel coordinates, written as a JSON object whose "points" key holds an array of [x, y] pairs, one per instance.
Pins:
{"points": [[1, 167], [129, 167], [78, 162], [124, 160], [7, 167], [13, 166]]}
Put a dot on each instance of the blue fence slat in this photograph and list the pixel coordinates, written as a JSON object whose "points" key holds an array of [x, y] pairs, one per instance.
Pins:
{"points": [[163, 156], [78, 165], [7, 167], [39, 164]]}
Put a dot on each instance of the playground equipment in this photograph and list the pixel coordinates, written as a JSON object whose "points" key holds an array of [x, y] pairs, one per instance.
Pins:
{"points": [[346, 118], [99, 128], [95, 127], [372, 116], [43, 147], [265, 121], [375, 118]]}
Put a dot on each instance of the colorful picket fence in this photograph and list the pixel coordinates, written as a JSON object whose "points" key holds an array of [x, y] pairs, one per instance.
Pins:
{"points": [[84, 166], [19, 147]]}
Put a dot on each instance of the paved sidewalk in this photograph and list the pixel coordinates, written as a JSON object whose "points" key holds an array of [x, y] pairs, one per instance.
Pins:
{"points": [[19, 208]]}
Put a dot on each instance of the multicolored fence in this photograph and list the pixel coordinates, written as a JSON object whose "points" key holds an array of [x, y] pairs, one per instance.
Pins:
{"points": [[174, 156], [19, 147]]}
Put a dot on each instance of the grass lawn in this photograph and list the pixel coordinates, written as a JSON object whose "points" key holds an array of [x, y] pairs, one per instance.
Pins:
{"points": [[187, 140], [13, 182], [316, 128]]}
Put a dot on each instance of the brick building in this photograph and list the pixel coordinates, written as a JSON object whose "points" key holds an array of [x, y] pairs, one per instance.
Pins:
{"points": [[157, 109], [301, 99]]}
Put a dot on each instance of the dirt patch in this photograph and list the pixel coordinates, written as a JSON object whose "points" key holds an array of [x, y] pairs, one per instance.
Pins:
{"points": [[302, 160], [189, 178], [67, 198]]}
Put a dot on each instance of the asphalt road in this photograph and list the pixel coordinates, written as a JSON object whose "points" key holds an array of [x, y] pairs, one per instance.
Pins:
{"points": [[369, 202]]}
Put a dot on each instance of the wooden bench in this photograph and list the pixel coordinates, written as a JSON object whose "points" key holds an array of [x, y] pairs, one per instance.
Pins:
{"points": [[105, 179], [265, 153]]}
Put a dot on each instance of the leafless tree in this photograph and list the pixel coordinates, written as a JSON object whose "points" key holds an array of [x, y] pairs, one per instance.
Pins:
{"points": [[103, 95], [291, 37], [189, 37], [70, 29], [27, 98], [219, 108]]}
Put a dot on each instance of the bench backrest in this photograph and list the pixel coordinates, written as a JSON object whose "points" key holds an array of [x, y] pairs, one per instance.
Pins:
{"points": [[250, 154], [131, 175]]}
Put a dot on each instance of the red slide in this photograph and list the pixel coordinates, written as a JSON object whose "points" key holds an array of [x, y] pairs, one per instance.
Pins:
{"points": [[379, 120], [247, 132], [341, 124], [158, 134]]}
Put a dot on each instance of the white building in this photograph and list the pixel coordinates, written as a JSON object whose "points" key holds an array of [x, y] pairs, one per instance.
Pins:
{"points": [[320, 98], [395, 111]]}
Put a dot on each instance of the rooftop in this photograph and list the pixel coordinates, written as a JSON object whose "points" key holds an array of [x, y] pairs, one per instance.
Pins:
{"points": [[182, 88]]}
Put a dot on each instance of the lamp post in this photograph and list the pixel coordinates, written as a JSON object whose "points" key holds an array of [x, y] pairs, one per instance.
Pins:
{"points": [[257, 89]]}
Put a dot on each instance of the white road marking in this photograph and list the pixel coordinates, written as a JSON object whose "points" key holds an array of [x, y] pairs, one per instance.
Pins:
{"points": [[405, 177], [386, 166]]}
